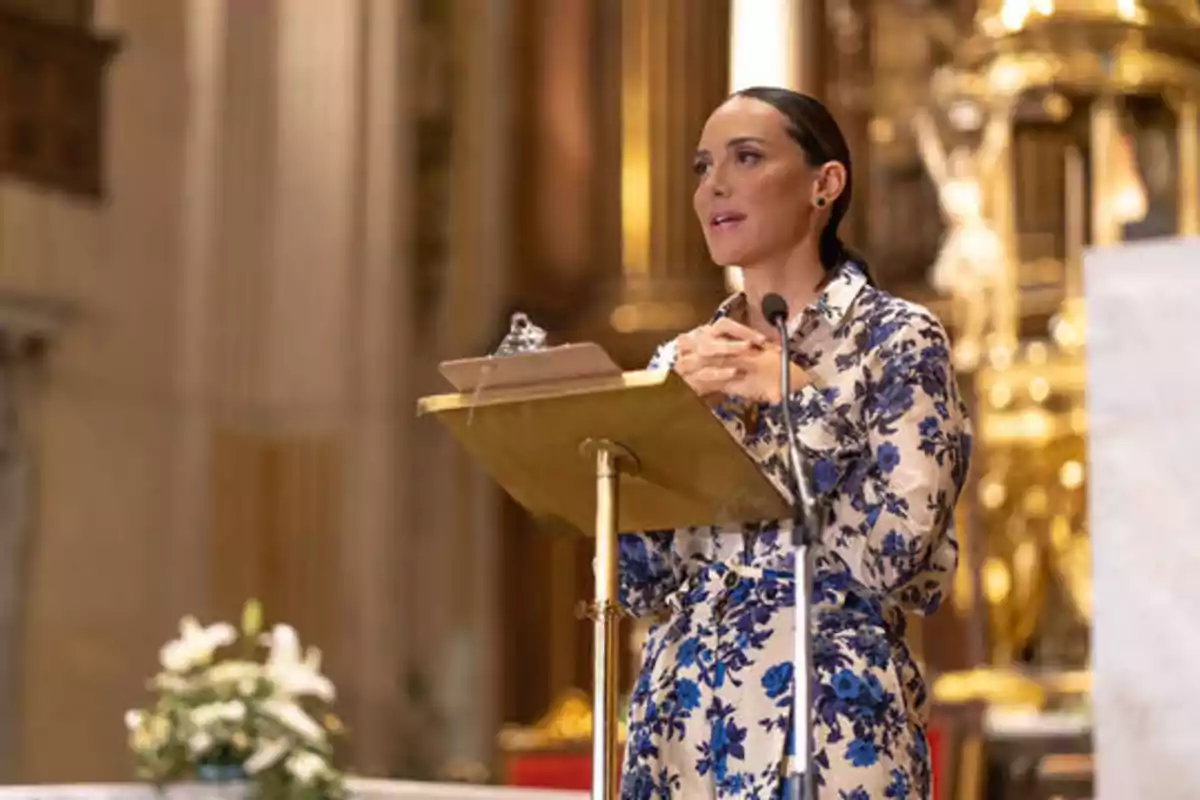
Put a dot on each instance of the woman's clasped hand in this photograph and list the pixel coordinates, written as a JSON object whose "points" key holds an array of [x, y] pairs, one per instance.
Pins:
{"points": [[728, 358]]}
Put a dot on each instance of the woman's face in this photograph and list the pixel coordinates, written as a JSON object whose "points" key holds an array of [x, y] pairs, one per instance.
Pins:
{"points": [[756, 192]]}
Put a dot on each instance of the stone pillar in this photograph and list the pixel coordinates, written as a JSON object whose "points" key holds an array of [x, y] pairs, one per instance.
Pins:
{"points": [[186, 540], [372, 648], [674, 72], [453, 552]]}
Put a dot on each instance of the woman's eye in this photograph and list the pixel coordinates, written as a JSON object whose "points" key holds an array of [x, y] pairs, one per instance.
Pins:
{"points": [[699, 167], [748, 157]]}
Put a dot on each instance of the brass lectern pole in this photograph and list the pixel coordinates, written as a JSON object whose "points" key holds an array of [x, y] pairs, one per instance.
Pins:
{"points": [[611, 460]]}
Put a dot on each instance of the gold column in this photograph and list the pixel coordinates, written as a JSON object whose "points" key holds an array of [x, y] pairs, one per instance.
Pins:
{"points": [[1106, 228], [1188, 133], [673, 73]]}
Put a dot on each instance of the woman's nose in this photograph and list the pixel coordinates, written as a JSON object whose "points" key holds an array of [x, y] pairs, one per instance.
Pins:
{"points": [[717, 182]]}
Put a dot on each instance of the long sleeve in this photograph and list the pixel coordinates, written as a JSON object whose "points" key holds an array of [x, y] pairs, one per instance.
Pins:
{"points": [[649, 569], [891, 516]]}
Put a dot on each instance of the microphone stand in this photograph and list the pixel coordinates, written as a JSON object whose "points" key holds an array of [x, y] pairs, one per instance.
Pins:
{"points": [[804, 531]]}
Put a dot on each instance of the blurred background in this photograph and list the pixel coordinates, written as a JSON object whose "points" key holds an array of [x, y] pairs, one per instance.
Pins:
{"points": [[238, 236]]}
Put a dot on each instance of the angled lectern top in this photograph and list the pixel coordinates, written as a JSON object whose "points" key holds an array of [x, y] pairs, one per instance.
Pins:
{"points": [[527, 418], [572, 437]]}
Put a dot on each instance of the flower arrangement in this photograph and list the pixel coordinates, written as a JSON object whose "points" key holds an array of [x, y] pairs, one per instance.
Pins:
{"points": [[223, 711]]}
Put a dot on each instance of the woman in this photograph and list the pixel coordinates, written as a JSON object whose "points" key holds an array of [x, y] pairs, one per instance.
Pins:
{"points": [[880, 421]]}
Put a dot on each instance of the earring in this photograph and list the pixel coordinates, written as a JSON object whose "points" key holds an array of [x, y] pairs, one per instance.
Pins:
{"points": [[820, 202]]}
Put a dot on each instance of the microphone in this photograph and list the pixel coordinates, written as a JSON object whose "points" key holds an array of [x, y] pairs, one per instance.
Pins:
{"points": [[804, 531], [775, 309]]}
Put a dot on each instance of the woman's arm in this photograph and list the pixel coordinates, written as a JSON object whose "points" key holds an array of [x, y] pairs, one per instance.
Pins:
{"points": [[649, 569], [892, 521]]}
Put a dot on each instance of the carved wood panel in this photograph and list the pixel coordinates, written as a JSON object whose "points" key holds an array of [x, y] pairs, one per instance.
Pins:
{"points": [[52, 103], [435, 85], [68, 13]]}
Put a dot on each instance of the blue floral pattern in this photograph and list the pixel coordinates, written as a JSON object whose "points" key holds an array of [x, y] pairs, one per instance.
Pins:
{"points": [[888, 439]]}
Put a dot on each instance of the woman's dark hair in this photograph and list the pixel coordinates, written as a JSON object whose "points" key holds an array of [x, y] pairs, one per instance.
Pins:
{"points": [[811, 125]]}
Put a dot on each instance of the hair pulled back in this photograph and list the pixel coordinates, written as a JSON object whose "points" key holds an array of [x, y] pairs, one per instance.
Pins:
{"points": [[811, 125]]}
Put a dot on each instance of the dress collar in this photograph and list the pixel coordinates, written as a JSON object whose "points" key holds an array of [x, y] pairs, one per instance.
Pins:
{"points": [[834, 301]]}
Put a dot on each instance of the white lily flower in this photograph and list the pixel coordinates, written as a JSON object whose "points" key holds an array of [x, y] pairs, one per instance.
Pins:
{"points": [[306, 767], [200, 743], [266, 756], [195, 644], [241, 676], [210, 714], [293, 676], [295, 718]]}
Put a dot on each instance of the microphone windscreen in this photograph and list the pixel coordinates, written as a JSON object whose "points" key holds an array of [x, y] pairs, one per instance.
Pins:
{"points": [[775, 309]]}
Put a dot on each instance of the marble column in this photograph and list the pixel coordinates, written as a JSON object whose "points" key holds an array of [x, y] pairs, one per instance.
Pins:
{"points": [[187, 538], [321, 397], [373, 647], [452, 554]]}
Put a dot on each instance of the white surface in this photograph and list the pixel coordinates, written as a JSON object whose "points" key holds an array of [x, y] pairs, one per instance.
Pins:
{"points": [[1001, 723], [1144, 409], [359, 790]]}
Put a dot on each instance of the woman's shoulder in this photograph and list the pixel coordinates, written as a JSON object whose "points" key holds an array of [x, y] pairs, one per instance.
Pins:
{"points": [[886, 317]]}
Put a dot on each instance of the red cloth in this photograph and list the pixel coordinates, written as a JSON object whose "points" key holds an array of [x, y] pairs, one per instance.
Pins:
{"points": [[550, 770]]}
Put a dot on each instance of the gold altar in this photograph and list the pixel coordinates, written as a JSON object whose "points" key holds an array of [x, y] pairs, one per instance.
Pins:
{"points": [[1095, 103]]}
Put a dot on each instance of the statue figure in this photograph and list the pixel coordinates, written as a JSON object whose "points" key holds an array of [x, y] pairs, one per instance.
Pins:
{"points": [[972, 261]]}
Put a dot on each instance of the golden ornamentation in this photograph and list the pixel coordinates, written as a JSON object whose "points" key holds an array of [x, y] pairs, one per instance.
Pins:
{"points": [[568, 724], [1074, 57], [1009, 687]]}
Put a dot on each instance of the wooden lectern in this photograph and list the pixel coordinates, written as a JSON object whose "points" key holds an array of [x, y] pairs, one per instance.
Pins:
{"points": [[572, 437]]}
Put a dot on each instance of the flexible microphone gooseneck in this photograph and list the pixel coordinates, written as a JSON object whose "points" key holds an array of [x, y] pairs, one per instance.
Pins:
{"points": [[802, 784], [775, 309]]}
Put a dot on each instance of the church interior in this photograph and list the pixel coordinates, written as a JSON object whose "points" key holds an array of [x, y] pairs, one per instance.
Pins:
{"points": [[238, 238]]}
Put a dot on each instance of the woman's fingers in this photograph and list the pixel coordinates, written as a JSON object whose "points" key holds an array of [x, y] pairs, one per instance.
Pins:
{"points": [[711, 380], [719, 348], [724, 331], [709, 358], [715, 358], [726, 328]]}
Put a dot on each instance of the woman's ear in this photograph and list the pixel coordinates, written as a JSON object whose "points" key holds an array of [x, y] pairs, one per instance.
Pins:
{"points": [[831, 182]]}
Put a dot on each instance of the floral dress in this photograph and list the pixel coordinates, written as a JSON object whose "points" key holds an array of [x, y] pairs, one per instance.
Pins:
{"points": [[888, 441]]}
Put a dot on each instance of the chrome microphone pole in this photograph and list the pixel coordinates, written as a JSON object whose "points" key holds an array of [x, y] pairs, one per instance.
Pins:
{"points": [[805, 528]]}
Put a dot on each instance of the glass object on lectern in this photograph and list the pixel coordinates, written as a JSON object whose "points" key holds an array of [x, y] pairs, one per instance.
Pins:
{"points": [[522, 337]]}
